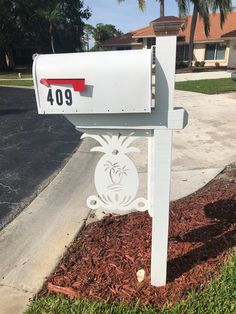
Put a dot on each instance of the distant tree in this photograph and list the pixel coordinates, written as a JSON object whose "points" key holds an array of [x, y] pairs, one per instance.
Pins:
{"points": [[44, 26], [20, 26], [88, 35], [65, 19], [52, 15], [8, 33], [103, 32], [71, 31]]}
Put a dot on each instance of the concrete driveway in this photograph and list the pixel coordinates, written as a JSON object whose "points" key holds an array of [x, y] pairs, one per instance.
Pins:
{"points": [[207, 144], [203, 148], [33, 149]]}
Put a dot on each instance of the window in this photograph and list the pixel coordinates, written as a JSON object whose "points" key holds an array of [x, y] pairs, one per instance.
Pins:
{"points": [[182, 52], [215, 51], [124, 48]]}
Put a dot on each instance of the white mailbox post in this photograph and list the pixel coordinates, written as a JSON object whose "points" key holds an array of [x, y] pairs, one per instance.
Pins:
{"points": [[108, 95]]}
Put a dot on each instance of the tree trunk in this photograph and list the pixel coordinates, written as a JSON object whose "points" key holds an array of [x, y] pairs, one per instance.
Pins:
{"points": [[192, 33], [87, 42], [10, 59], [50, 30], [162, 8], [52, 44], [3, 61]]}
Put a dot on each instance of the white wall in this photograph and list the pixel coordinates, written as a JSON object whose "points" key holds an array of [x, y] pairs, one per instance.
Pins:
{"points": [[232, 54], [199, 52], [199, 55]]}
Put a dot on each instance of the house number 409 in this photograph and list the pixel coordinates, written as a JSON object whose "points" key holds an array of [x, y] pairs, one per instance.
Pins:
{"points": [[59, 97]]}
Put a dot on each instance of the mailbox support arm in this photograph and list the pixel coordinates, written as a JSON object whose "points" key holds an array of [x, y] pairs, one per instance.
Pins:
{"points": [[173, 119]]}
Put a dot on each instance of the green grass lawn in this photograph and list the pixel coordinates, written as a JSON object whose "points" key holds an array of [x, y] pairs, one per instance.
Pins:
{"points": [[215, 86], [16, 82], [218, 298], [25, 73]]}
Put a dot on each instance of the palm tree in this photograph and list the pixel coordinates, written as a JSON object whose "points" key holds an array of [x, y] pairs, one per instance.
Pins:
{"points": [[52, 14], [202, 9], [162, 7], [142, 4]]}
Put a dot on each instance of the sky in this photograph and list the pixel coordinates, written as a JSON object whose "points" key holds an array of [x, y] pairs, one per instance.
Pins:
{"points": [[126, 16]]}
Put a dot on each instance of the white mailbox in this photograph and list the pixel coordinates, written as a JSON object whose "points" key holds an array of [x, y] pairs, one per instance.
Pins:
{"points": [[108, 95], [87, 83]]}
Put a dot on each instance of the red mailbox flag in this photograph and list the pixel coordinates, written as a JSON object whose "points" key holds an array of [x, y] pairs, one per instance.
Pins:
{"points": [[78, 84]]}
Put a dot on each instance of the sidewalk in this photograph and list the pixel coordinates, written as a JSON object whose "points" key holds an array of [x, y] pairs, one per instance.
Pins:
{"points": [[202, 76], [34, 242]]}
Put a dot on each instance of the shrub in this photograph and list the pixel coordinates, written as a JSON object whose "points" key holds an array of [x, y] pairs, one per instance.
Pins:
{"points": [[202, 64], [197, 64]]}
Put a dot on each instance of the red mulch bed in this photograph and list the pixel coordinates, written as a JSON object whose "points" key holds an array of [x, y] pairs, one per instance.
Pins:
{"points": [[102, 263]]}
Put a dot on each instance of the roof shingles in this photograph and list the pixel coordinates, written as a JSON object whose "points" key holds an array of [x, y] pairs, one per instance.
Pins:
{"points": [[216, 33]]}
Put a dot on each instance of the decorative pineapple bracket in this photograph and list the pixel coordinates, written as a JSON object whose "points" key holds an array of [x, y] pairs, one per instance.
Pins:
{"points": [[116, 177]]}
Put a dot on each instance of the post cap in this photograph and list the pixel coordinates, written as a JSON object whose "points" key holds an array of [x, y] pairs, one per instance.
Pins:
{"points": [[167, 25]]}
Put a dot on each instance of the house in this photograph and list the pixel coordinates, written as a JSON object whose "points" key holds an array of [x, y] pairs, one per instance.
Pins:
{"points": [[219, 46]]}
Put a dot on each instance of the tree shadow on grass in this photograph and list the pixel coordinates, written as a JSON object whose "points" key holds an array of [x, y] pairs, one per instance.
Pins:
{"points": [[215, 238]]}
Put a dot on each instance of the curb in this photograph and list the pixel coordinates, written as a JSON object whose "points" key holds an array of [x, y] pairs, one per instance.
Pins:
{"points": [[13, 86]]}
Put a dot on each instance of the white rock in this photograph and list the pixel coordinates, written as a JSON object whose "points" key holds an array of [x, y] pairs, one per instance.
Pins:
{"points": [[140, 275]]}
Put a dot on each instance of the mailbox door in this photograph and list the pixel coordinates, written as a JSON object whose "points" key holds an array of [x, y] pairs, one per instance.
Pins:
{"points": [[94, 82]]}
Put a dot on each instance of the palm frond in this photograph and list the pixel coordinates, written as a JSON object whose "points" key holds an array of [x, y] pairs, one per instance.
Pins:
{"points": [[52, 14], [203, 10], [141, 4], [224, 6], [184, 6]]}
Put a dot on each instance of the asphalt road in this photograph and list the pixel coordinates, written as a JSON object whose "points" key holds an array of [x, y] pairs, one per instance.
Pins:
{"points": [[33, 148]]}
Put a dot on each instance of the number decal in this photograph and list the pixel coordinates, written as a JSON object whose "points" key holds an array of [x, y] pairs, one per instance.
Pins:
{"points": [[59, 97], [50, 98], [68, 96]]}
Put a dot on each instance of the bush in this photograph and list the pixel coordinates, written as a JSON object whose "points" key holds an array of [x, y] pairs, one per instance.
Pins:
{"points": [[181, 65], [217, 65], [202, 64], [197, 64]]}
